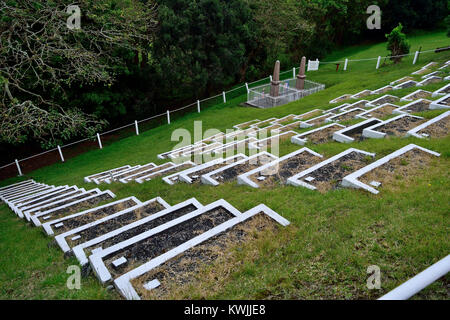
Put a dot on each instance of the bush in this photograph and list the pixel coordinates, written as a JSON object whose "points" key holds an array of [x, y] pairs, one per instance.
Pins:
{"points": [[397, 43]]}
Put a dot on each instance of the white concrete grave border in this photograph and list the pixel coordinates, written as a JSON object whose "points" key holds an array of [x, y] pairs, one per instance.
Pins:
{"points": [[35, 218], [123, 283], [32, 198], [207, 178], [409, 96], [340, 135], [25, 211], [366, 113], [79, 253], [402, 85], [420, 71], [302, 116], [356, 95], [201, 150], [164, 155], [352, 181], [295, 180], [255, 145], [268, 121], [440, 92], [184, 175], [437, 103], [244, 178], [20, 199], [20, 190], [104, 173], [404, 109], [149, 177], [284, 118], [431, 74], [381, 90], [223, 148], [15, 185], [340, 98], [23, 193], [371, 132], [243, 124], [118, 177], [96, 259], [354, 105], [132, 177], [371, 104], [178, 153], [107, 178], [332, 119], [48, 226], [414, 132], [308, 124], [301, 138], [398, 81], [426, 81], [338, 108]]}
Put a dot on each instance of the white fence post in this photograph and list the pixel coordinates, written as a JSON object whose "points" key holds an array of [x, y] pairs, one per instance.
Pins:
{"points": [[270, 77], [378, 62], [60, 154], [168, 117], [293, 72], [345, 64], [246, 86], [198, 106], [415, 57], [137, 127], [18, 168], [99, 141], [224, 97]]}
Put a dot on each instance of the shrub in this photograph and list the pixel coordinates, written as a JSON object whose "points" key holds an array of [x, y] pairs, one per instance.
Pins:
{"points": [[397, 43]]}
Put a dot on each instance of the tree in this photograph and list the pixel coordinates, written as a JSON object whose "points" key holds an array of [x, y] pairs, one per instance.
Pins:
{"points": [[397, 43], [41, 59]]}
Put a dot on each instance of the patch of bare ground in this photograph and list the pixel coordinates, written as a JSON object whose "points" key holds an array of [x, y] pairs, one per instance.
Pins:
{"points": [[276, 139], [195, 176], [329, 177], [363, 94], [323, 135], [207, 266], [438, 129], [400, 126], [404, 80], [309, 115], [342, 98], [231, 173], [419, 106], [383, 90], [389, 99], [382, 112], [34, 209], [422, 94], [155, 169], [347, 116], [318, 120], [400, 169], [172, 170], [279, 173]]}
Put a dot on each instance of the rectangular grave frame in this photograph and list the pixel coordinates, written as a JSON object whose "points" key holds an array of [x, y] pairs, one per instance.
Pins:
{"points": [[256, 144], [152, 170], [244, 179], [331, 119], [241, 125], [295, 180], [97, 263], [35, 218], [371, 104], [358, 94], [18, 197], [338, 109], [14, 185], [165, 155], [79, 253], [17, 188], [307, 124], [149, 177], [207, 178], [300, 140], [23, 202], [408, 96], [90, 178], [340, 136], [426, 81], [430, 74], [47, 227], [303, 115], [367, 112], [383, 89], [354, 105], [401, 85], [131, 172], [123, 283], [341, 98], [398, 81], [23, 191], [351, 180], [14, 201], [404, 109], [415, 132], [437, 103], [439, 92], [222, 149], [371, 132]]}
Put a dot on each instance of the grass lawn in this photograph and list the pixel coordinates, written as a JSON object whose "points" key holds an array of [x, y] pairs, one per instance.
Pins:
{"points": [[332, 238]]}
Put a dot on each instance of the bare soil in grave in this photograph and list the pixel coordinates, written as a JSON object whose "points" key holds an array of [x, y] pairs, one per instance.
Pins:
{"points": [[330, 176], [422, 71], [363, 94], [195, 176], [106, 174], [52, 206], [419, 107], [359, 104], [422, 94], [399, 169], [92, 216], [404, 80], [323, 135], [400, 126], [439, 129], [384, 90], [231, 173], [114, 223], [151, 247], [247, 124], [135, 171], [347, 116], [379, 102], [172, 170], [446, 90], [278, 174], [406, 84], [286, 120], [318, 121], [382, 112], [431, 80], [75, 208], [310, 115], [152, 170], [268, 143], [35, 198], [291, 126], [194, 266], [342, 98]]}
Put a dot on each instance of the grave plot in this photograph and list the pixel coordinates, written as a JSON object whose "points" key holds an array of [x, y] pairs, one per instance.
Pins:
{"points": [[341, 98], [429, 80], [361, 94], [114, 261], [438, 127], [183, 263], [146, 172], [421, 71], [234, 146], [337, 109], [430, 65], [346, 115], [401, 80], [231, 171], [286, 119], [130, 172], [354, 132], [176, 151], [197, 154], [382, 100], [214, 138], [416, 95], [44, 216], [397, 126], [168, 171], [245, 125], [316, 136], [17, 188], [17, 200], [21, 192], [193, 175], [407, 161], [84, 238], [442, 91], [435, 73], [16, 185], [290, 126], [267, 142], [76, 220], [316, 121], [328, 174], [68, 193], [383, 89], [406, 84], [309, 114], [380, 112], [278, 171], [357, 104], [15, 206], [105, 173], [415, 106], [264, 123], [441, 103]]}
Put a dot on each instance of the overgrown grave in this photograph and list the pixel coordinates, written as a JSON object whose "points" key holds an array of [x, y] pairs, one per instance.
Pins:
{"points": [[361, 94], [341, 98], [401, 80], [383, 90], [438, 127]]}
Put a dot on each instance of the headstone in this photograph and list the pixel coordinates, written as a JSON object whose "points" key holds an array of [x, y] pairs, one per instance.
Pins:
{"points": [[300, 82], [275, 83]]}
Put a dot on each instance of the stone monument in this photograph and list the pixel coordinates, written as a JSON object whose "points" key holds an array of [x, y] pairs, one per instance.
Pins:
{"points": [[300, 82], [275, 83]]}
